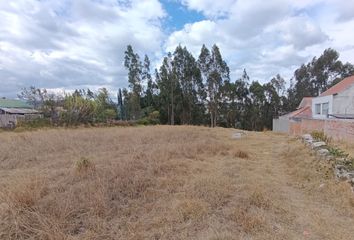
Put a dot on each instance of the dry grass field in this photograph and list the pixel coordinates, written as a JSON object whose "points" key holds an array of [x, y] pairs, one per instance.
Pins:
{"points": [[167, 183]]}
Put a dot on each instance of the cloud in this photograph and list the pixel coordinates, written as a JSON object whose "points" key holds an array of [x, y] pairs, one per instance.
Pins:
{"points": [[267, 37], [73, 44], [81, 43], [210, 8]]}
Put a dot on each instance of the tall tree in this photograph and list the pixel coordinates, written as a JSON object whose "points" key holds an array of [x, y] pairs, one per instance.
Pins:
{"points": [[169, 88], [133, 64], [188, 75], [313, 78], [147, 79], [214, 72]]}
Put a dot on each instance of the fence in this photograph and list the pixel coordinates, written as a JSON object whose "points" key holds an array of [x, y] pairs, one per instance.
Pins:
{"points": [[7, 120], [338, 129]]}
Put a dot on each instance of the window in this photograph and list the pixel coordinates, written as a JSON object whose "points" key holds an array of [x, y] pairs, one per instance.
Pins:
{"points": [[325, 107], [318, 109]]}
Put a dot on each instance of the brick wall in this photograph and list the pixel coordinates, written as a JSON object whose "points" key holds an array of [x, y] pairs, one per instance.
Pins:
{"points": [[336, 128]]}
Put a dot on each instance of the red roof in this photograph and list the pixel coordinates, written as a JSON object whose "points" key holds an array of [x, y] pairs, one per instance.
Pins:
{"points": [[302, 112], [339, 87], [306, 102]]}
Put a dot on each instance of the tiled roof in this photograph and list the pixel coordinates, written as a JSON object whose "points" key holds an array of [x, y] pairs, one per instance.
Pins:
{"points": [[12, 103], [306, 101], [304, 112], [339, 87]]}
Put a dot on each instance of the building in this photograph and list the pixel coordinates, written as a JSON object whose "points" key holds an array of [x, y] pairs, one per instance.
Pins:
{"points": [[12, 111], [332, 112], [336, 102]]}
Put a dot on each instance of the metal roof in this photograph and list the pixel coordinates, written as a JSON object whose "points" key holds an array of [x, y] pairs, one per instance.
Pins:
{"points": [[19, 110], [12, 103]]}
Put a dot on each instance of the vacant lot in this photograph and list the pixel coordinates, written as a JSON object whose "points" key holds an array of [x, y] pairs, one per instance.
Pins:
{"points": [[167, 183]]}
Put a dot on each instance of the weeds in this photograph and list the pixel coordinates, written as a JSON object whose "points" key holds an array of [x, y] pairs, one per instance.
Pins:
{"points": [[84, 164], [336, 152], [241, 154], [321, 136]]}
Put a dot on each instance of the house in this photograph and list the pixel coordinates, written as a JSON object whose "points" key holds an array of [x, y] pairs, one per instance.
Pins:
{"points": [[331, 112], [336, 102], [283, 123], [11, 111]]}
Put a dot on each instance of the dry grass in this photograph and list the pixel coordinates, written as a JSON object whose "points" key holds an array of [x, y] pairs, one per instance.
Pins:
{"points": [[166, 183]]}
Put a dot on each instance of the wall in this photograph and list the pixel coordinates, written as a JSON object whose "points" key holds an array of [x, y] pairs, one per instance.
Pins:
{"points": [[6, 119], [343, 103], [281, 125], [318, 100], [338, 129]]}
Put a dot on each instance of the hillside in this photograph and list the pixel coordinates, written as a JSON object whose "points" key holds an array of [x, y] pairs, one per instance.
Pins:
{"points": [[167, 183]]}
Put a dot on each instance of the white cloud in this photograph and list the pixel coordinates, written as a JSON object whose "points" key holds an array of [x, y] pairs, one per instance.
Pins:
{"points": [[269, 37], [74, 43], [211, 8]]}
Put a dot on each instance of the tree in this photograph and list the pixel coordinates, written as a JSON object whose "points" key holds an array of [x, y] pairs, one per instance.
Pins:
{"points": [[317, 76], [134, 66], [214, 72], [189, 79], [256, 106], [169, 88], [120, 107], [34, 96], [279, 84], [146, 76], [105, 108]]}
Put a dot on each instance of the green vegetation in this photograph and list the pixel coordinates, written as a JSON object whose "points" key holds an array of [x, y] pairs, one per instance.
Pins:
{"points": [[321, 136], [336, 152], [192, 91]]}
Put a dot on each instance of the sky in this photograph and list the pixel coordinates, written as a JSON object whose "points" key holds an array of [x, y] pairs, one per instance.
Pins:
{"points": [[72, 44]]}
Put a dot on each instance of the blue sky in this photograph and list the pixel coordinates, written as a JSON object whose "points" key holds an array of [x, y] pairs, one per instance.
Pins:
{"points": [[178, 15], [65, 45]]}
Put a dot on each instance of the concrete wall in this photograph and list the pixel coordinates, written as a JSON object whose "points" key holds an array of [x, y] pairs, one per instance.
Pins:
{"points": [[343, 103], [281, 125]]}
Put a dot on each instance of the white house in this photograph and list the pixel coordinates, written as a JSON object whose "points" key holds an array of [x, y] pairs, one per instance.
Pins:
{"points": [[336, 102]]}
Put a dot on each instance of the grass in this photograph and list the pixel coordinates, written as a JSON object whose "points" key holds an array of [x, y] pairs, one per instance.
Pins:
{"points": [[162, 182]]}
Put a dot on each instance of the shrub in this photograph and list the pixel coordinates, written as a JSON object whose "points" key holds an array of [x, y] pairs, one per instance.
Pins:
{"points": [[336, 152], [84, 164], [151, 119], [34, 123], [241, 154], [320, 136]]}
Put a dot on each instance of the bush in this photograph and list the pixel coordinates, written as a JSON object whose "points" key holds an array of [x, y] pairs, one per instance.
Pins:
{"points": [[336, 152], [152, 119], [320, 136], [84, 164], [34, 123]]}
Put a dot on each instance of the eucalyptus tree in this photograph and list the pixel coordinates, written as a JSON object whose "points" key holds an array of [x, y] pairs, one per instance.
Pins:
{"points": [[214, 72], [134, 66]]}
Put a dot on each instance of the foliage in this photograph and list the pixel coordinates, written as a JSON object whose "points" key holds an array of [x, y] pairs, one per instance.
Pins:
{"points": [[320, 136], [185, 90], [151, 119], [336, 152], [34, 123], [317, 76]]}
